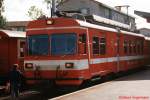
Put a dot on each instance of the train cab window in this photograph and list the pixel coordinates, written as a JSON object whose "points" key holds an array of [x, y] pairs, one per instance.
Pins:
{"points": [[63, 44], [82, 44], [96, 48], [102, 46], [125, 47], [38, 45]]}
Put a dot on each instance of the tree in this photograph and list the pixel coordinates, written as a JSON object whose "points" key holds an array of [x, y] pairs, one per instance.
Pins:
{"points": [[35, 13], [1, 7], [2, 19]]}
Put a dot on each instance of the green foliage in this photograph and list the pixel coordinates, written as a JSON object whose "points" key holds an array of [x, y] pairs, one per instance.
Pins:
{"points": [[2, 19], [35, 12], [2, 22], [1, 7]]}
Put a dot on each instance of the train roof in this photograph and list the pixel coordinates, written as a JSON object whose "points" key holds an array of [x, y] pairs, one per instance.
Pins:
{"points": [[69, 22], [18, 34]]}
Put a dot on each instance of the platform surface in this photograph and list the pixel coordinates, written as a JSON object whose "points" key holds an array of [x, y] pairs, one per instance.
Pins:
{"points": [[132, 87]]}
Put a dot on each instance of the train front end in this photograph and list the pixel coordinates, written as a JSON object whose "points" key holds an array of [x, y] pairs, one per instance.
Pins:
{"points": [[56, 51]]}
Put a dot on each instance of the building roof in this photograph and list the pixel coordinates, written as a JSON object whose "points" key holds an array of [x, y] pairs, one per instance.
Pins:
{"points": [[18, 34], [99, 2], [17, 23], [113, 8], [111, 22], [145, 15]]}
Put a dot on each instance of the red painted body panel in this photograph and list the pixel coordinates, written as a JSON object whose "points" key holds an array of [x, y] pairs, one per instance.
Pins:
{"points": [[121, 61], [77, 76]]}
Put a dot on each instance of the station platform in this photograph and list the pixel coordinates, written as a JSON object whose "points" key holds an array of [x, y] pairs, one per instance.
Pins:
{"points": [[131, 87]]}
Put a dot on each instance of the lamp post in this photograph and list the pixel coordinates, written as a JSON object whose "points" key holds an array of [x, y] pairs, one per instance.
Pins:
{"points": [[53, 8]]}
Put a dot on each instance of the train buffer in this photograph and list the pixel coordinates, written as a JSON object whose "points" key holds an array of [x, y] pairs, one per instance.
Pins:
{"points": [[2, 88], [132, 87]]}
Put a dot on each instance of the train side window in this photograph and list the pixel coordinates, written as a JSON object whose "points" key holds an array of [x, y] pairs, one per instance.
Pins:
{"points": [[21, 48], [96, 45], [138, 46], [102, 46], [130, 47], [125, 47], [142, 47], [82, 44], [134, 47]]}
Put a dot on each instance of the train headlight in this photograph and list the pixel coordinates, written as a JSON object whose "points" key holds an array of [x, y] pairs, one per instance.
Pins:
{"points": [[69, 65], [50, 22], [29, 66]]}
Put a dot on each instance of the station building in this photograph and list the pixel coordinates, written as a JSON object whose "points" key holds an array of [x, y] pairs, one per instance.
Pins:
{"points": [[99, 12]]}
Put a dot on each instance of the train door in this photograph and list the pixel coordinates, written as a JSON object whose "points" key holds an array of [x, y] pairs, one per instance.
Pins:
{"points": [[21, 46], [84, 49], [118, 50], [82, 44]]}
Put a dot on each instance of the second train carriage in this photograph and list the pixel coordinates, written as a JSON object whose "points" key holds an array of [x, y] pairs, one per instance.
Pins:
{"points": [[11, 51], [70, 51]]}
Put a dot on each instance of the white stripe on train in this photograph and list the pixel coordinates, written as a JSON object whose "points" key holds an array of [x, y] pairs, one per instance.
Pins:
{"points": [[114, 59], [79, 64]]}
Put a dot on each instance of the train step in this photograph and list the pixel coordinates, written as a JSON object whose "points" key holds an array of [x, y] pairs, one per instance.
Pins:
{"points": [[95, 78]]}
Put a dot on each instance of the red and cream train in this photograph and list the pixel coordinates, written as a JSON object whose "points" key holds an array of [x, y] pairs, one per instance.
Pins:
{"points": [[70, 51]]}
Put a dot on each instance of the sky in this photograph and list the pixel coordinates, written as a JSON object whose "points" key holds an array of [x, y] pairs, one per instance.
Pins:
{"points": [[16, 10]]}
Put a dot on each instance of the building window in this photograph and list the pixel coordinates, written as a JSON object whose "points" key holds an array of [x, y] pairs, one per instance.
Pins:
{"points": [[96, 45], [114, 15], [102, 46], [120, 17], [85, 11], [104, 12]]}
